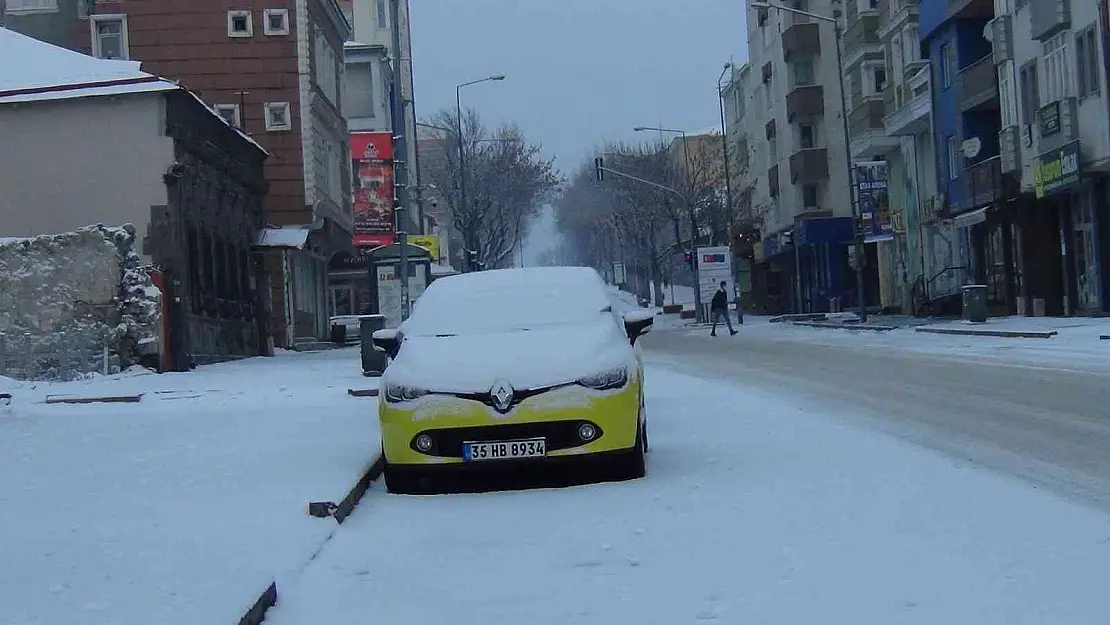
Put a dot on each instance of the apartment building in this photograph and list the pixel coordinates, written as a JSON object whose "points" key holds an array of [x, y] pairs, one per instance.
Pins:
{"points": [[274, 69], [797, 177], [1050, 61]]}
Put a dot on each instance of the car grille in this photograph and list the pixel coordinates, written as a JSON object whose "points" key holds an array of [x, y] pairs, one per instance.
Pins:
{"points": [[519, 395], [448, 442]]}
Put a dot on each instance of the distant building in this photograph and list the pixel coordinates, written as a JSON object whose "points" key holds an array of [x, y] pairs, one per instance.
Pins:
{"points": [[86, 141]]}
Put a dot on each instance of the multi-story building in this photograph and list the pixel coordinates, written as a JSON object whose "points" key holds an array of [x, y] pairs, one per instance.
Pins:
{"points": [[798, 178], [867, 76], [1052, 81], [273, 69], [924, 241], [373, 22]]}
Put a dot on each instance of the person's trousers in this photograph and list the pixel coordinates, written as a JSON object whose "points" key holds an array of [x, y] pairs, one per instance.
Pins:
{"points": [[717, 315]]}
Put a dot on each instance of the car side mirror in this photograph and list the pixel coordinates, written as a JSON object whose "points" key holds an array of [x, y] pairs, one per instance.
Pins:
{"points": [[387, 340], [638, 323]]}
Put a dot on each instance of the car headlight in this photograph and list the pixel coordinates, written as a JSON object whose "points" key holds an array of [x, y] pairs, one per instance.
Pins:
{"points": [[613, 378], [397, 393]]}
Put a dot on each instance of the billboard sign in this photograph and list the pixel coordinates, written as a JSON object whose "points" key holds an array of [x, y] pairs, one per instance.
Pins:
{"points": [[372, 165], [874, 200], [429, 242], [714, 266]]}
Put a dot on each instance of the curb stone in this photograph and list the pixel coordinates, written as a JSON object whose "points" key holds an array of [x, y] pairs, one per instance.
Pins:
{"points": [[257, 612], [844, 326], [1006, 334]]}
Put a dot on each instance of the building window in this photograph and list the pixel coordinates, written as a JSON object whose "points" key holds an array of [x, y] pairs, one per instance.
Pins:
{"points": [[277, 116], [326, 66], [358, 91], [109, 36], [240, 24], [275, 22], [1057, 69], [806, 136], [803, 73], [947, 65], [383, 14], [230, 113], [1030, 94], [953, 154], [809, 196], [1007, 95], [1086, 62], [32, 6], [868, 5]]}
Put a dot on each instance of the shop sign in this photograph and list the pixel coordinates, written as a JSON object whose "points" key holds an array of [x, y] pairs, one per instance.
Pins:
{"points": [[429, 242], [873, 197], [1057, 171]]}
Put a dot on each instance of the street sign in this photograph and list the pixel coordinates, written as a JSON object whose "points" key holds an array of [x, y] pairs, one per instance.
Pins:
{"points": [[714, 266], [618, 274]]}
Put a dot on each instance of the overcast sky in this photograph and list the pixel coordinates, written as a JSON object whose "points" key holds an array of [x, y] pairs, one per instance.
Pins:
{"points": [[578, 71]]}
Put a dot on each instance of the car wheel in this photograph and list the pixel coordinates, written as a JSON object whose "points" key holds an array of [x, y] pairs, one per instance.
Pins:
{"points": [[644, 425], [633, 464]]}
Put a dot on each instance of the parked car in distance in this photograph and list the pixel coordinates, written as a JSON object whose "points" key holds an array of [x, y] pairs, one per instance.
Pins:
{"points": [[513, 367]]}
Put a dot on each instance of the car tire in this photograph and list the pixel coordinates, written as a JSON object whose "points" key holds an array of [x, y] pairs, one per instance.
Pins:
{"points": [[633, 464], [644, 425]]}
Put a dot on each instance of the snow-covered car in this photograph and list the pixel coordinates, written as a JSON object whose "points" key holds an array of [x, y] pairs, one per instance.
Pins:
{"points": [[497, 368]]}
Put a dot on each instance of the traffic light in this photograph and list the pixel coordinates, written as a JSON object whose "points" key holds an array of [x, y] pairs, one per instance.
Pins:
{"points": [[599, 165], [689, 258]]}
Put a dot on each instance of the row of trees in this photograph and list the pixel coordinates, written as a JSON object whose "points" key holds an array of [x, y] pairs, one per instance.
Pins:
{"points": [[507, 182], [646, 227]]}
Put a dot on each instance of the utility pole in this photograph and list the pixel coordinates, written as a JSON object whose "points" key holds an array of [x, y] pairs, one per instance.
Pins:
{"points": [[400, 155]]}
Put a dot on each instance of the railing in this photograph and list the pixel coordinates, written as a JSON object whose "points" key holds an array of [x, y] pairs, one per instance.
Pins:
{"points": [[978, 83]]}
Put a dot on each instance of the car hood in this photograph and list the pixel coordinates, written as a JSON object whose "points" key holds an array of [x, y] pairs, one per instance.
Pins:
{"points": [[527, 359]]}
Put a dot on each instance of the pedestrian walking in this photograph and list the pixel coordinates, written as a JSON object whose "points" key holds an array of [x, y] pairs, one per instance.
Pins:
{"points": [[719, 308]]}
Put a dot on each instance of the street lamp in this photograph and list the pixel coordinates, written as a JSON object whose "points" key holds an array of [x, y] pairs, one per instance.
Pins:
{"points": [[693, 217], [856, 233], [724, 139], [459, 136]]}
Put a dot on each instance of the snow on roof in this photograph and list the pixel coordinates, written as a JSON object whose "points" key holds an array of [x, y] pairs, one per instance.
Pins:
{"points": [[227, 123], [293, 237], [54, 73], [50, 72], [437, 269]]}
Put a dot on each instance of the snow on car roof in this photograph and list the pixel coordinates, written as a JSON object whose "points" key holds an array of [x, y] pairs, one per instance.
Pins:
{"points": [[508, 299]]}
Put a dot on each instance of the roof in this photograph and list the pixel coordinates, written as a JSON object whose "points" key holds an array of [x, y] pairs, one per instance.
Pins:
{"points": [[289, 237], [51, 72]]}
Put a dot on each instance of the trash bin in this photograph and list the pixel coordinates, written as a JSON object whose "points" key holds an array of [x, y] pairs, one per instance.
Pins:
{"points": [[373, 361], [975, 302]]}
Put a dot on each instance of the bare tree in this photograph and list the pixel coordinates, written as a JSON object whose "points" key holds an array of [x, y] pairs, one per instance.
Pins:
{"points": [[507, 182]]}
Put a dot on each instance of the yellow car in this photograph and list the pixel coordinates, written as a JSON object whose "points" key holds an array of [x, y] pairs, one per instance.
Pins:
{"points": [[509, 369]]}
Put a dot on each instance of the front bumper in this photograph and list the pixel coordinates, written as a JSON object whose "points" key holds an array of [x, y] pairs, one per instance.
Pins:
{"points": [[555, 416]]}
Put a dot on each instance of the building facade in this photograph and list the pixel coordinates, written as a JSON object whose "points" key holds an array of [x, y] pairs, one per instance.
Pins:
{"points": [[152, 154], [796, 178], [274, 70]]}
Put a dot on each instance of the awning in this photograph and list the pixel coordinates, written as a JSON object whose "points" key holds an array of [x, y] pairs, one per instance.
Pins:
{"points": [[970, 218], [288, 238], [879, 238], [439, 270]]}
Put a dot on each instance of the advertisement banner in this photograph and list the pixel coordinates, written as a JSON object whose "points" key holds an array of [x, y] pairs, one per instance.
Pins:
{"points": [[429, 242], [872, 179], [714, 266], [1057, 171], [372, 165]]}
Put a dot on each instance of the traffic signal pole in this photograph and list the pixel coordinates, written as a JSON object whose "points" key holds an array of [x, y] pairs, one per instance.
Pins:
{"points": [[601, 169]]}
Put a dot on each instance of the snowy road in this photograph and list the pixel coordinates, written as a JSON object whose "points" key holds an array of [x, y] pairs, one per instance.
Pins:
{"points": [[1047, 424], [758, 508]]}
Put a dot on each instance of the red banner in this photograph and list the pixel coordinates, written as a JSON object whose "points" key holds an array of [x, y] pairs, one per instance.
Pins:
{"points": [[372, 159]]}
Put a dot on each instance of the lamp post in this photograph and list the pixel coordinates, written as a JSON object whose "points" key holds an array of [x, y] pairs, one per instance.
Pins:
{"points": [[856, 232], [724, 140], [472, 244], [693, 218]]}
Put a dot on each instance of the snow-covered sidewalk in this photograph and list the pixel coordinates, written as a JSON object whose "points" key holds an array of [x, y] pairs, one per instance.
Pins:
{"points": [[756, 509], [182, 508]]}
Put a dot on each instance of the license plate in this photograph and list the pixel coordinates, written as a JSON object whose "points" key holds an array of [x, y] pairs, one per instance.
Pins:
{"points": [[504, 450]]}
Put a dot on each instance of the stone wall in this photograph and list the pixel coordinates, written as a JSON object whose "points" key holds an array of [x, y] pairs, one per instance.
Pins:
{"points": [[69, 300]]}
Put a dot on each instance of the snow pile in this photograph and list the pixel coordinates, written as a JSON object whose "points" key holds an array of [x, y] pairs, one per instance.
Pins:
{"points": [[65, 298]]}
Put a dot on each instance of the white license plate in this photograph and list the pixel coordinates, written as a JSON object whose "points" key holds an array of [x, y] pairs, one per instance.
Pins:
{"points": [[504, 450]]}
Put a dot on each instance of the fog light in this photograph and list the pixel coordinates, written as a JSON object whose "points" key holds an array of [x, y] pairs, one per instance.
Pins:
{"points": [[587, 432], [424, 443]]}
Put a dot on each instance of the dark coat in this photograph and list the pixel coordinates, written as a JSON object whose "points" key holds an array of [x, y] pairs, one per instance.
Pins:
{"points": [[720, 301]]}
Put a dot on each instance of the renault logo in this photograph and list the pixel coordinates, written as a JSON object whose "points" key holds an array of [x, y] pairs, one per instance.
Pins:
{"points": [[502, 395]]}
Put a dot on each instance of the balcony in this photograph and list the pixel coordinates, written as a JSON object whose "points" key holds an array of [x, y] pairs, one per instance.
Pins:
{"points": [[867, 135], [911, 119], [809, 165], [890, 21], [968, 9], [805, 101], [801, 39], [1010, 150], [862, 33], [979, 85], [984, 184], [1002, 38], [773, 181], [1048, 17]]}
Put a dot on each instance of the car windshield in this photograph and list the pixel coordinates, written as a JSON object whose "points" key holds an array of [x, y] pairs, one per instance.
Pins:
{"points": [[516, 301]]}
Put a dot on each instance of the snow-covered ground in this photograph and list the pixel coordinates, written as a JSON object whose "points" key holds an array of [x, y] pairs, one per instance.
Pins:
{"points": [[756, 509], [1076, 346], [182, 508]]}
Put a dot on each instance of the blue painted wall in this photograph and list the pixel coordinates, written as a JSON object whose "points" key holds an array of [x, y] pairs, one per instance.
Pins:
{"points": [[965, 37]]}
